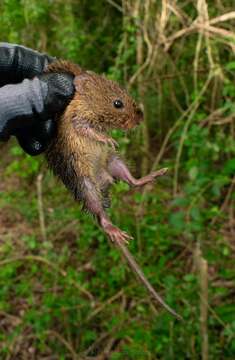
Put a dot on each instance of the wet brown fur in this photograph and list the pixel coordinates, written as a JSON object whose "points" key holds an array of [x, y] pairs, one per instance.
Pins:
{"points": [[73, 156]]}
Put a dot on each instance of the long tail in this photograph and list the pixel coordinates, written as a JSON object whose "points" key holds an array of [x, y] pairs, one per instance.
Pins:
{"points": [[139, 273]]}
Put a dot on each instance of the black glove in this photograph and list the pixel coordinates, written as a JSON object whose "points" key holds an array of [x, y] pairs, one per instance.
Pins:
{"points": [[18, 63], [35, 138], [26, 107]]}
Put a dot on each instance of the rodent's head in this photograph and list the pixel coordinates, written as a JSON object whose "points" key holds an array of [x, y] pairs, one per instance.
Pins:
{"points": [[104, 103]]}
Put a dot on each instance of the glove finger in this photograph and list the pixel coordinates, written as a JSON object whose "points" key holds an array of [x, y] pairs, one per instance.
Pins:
{"points": [[34, 140], [44, 130], [60, 92], [31, 145], [18, 62]]}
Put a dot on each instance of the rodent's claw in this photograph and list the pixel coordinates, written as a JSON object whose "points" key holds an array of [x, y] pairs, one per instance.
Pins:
{"points": [[117, 235], [160, 172], [113, 143], [120, 236]]}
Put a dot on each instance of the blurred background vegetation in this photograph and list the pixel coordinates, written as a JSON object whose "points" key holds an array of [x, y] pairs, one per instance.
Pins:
{"points": [[64, 292]]}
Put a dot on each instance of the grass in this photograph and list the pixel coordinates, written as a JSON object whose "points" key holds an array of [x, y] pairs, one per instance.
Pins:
{"points": [[71, 296]]}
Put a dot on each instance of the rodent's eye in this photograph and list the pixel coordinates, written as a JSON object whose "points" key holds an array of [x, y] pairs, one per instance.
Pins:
{"points": [[118, 104]]}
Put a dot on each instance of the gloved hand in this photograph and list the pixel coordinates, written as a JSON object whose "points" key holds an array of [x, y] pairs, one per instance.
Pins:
{"points": [[26, 106]]}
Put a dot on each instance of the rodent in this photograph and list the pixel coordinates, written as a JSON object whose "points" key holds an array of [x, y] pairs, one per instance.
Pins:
{"points": [[84, 156]]}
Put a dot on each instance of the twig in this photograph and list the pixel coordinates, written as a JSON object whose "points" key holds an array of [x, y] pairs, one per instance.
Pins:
{"points": [[216, 114], [203, 284], [40, 208], [100, 339], [225, 17], [196, 103], [68, 346], [197, 26], [115, 5], [196, 61], [146, 39], [188, 112], [226, 200], [104, 305]]}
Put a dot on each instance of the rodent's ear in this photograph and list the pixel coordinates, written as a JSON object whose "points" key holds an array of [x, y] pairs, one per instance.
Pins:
{"points": [[80, 82]]}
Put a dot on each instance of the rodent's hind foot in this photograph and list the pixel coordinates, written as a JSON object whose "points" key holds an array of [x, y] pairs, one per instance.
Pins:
{"points": [[114, 233], [149, 178]]}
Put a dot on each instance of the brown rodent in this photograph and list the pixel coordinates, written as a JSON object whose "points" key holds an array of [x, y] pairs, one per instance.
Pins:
{"points": [[84, 156]]}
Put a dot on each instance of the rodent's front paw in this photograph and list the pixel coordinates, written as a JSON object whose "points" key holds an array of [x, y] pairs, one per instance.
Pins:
{"points": [[113, 143]]}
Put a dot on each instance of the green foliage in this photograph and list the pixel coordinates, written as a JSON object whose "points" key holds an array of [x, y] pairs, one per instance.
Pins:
{"points": [[70, 296]]}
